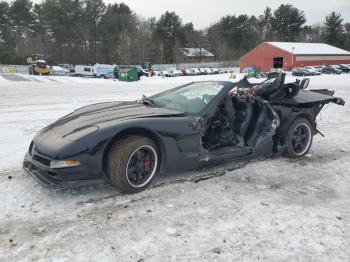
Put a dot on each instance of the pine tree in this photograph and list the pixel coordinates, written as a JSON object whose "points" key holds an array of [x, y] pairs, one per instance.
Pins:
{"points": [[347, 36], [7, 41], [169, 32], [265, 24], [334, 30], [287, 22]]}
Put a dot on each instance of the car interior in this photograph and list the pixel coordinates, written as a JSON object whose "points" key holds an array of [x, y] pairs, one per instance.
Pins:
{"points": [[232, 124], [235, 120]]}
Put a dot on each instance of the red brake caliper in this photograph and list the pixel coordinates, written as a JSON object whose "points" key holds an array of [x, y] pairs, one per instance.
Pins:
{"points": [[148, 163]]}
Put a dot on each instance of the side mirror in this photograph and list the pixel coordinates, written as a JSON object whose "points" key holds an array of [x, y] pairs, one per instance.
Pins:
{"points": [[304, 83]]}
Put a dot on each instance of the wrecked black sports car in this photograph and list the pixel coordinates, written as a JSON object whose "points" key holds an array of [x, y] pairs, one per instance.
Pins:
{"points": [[128, 143]]}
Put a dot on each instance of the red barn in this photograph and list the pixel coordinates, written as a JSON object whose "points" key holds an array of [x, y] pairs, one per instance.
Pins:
{"points": [[288, 55]]}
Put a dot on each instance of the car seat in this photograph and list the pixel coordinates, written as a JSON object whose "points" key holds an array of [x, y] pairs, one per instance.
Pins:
{"points": [[248, 113]]}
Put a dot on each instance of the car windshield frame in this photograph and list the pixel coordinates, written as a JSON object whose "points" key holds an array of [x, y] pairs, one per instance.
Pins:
{"points": [[162, 99]]}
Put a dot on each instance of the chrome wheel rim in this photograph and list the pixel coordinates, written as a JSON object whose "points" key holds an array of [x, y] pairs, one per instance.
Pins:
{"points": [[142, 166], [301, 139]]}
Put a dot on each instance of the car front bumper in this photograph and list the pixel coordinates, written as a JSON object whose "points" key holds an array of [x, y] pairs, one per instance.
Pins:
{"points": [[71, 177]]}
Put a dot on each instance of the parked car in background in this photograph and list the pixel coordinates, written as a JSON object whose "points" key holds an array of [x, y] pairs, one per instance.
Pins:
{"points": [[195, 71], [301, 72], [331, 70], [186, 72], [313, 69], [59, 71], [319, 67], [313, 72], [174, 72], [203, 71], [208, 70], [215, 71], [72, 72], [344, 68], [164, 73]]}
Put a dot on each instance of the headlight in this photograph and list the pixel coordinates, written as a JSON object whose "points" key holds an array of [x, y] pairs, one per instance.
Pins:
{"points": [[64, 163], [79, 134]]}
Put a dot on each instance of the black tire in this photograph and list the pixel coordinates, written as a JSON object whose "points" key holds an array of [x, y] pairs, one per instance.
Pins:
{"points": [[299, 138], [119, 163]]}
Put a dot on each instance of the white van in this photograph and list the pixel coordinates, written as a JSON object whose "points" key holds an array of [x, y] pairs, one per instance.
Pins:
{"points": [[98, 70], [83, 70], [104, 71]]}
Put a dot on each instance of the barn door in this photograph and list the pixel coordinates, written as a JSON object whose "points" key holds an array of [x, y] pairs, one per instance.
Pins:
{"points": [[278, 62]]}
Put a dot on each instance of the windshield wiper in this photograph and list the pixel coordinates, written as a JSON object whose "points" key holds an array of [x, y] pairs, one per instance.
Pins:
{"points": [[148, 101]]}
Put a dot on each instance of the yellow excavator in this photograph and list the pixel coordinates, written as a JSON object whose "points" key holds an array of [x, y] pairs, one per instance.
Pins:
{"points": [[38, 65]]}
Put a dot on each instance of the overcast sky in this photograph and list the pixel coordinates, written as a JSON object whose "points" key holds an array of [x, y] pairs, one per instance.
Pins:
{"points": [[206, 12]]}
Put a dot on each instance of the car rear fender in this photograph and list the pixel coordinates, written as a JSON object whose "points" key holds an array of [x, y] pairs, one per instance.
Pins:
{"points": [[287, 117]]}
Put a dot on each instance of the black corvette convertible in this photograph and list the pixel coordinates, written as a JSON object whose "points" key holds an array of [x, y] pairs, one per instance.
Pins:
{"points": [[128, 143]]}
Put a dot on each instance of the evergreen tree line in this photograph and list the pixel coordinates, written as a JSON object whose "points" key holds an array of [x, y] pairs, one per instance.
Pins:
{"points": [[89, 31]]}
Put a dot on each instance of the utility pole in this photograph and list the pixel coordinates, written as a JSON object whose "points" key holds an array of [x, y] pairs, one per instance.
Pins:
{"points": [[161, 53], [128, 48], [293, 49], [171, 43]]}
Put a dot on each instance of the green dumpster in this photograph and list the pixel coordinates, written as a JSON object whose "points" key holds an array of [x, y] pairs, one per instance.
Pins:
{"points": [[128, 75]]}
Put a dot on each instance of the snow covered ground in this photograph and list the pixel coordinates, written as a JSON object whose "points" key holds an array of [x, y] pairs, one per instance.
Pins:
{"points": [[268, 210]]}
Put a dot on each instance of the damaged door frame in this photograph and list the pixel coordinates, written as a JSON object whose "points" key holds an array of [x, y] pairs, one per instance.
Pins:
{"points": [[201, 123], [264, 140]]}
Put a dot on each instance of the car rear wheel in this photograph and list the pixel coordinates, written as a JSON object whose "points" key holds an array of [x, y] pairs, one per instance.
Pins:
{"points": [[299, 138], [133, 163]]}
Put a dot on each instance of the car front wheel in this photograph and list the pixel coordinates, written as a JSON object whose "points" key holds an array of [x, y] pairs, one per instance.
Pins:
{"points": [[299, 138], [132, 163]]}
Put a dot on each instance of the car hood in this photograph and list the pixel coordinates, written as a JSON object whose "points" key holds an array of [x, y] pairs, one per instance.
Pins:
{"points": [[96, 114]]}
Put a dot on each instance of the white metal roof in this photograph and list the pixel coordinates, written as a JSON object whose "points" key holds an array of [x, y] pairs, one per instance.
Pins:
{"points": [[192, 52], [309, 48]]}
